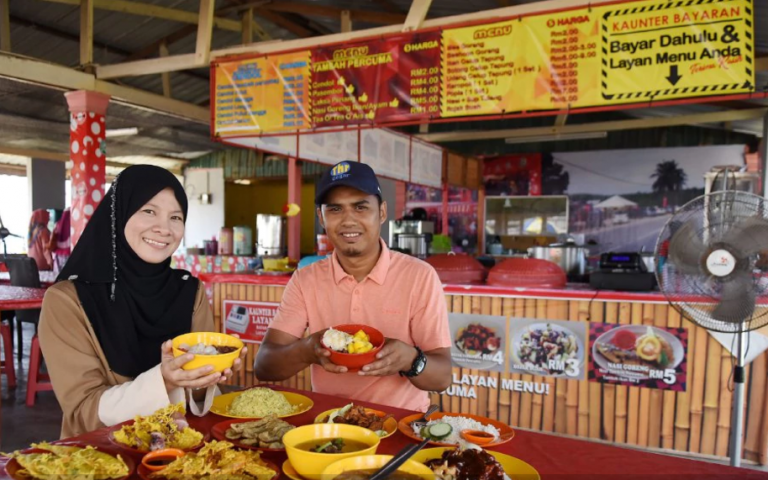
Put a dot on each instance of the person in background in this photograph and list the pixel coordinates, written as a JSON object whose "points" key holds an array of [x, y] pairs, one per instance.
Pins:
{"points": [[38, 238], [106, 326], [361, 282], [60, 245]]}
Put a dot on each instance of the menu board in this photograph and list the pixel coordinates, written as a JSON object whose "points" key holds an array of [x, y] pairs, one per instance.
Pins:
{"points": [[247, 319], [264, 94], [638, 355], [622, 53], [375, 81], [549, 348]]}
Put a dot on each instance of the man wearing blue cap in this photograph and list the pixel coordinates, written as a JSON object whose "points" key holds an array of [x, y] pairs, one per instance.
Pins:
{"points": [[362, 282]]}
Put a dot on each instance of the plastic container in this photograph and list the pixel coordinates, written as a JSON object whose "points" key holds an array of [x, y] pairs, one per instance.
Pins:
{"points": [[226, 237], [243, 240]]}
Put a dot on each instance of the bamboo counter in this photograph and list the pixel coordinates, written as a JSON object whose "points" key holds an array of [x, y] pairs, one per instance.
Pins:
{"points": [[696, 421]]}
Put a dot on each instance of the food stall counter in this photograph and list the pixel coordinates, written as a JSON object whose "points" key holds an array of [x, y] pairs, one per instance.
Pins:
{"points": [[679, 401]]}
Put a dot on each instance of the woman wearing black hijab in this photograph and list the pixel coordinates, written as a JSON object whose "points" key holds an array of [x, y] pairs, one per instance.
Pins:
{"points": [[106, 326]]}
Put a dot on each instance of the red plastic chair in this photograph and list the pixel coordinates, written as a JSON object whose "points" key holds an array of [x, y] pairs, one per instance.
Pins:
{"points": [[36, 380], [6, 365]]}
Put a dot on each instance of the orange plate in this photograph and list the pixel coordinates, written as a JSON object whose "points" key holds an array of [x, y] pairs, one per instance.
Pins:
{"points": [[171, 453], [112, 430], [505, 431], [220, 429], [12, 468], [144, 472]]}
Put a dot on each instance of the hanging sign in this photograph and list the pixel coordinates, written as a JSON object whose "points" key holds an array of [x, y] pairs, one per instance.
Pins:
{"points": [[390, 79], [665, 50], [266, 94]]}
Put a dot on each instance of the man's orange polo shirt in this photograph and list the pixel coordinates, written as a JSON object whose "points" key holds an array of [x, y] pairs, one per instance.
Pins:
{"points": [[402, 297]]}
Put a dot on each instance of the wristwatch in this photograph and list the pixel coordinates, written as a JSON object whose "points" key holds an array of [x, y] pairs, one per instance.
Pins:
{"points": [[418, 365]]}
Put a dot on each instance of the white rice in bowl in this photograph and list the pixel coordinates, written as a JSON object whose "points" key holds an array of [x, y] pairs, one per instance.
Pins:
{"points": [[462, 423], [260, 402]]}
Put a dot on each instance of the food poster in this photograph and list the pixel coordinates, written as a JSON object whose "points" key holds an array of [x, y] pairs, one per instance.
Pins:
{"points": [[266, 94], [550, 348], [478, 341], [638, 355], [389, 79], [247, 319]]}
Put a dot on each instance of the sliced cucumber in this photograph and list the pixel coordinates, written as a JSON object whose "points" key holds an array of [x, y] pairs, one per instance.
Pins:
{"points": [[425, 432], [438, 431]]}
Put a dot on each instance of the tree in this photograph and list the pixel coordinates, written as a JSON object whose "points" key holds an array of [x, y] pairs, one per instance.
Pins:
{"points": [[670, 178]]}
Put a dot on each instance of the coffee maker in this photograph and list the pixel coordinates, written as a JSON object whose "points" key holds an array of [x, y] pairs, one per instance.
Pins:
{"points": [[412, 236]]}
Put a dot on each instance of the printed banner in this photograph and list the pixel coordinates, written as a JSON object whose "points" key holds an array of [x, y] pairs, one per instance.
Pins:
{"points": [[549, 348], [638, 355], [392, 79], [663, 50], [266, 94], [478, 341], [248, 319], [623, 53]]}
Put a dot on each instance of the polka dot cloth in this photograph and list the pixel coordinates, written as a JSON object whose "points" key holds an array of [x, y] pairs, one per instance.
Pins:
{"points": [[88, 163]]}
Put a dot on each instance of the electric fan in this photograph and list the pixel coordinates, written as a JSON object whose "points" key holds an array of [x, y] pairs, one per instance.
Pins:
{"points": [[4, 232], [712, 265]]}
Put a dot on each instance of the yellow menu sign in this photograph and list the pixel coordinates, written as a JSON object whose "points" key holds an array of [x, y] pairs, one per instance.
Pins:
{"points": [[266, 94], [623, 53], [664, 50]]}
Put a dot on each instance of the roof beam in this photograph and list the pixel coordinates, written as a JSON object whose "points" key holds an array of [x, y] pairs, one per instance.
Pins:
{"points": [[346, 21], [642, 123], [311, 9], [204, 32], [247, 30], [150, 66], [761, 63], [286, 23], [416, 15], [166, 76], [264, 48], [86, 32], [5, 25], [155, 11], [57, 76]]}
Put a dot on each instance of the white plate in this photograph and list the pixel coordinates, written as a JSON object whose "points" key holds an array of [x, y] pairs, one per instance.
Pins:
{"points": [[558, 328], [638, 330]]}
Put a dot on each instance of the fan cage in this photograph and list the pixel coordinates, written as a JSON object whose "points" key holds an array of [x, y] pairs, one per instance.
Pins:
{"points": [[695, 295]]}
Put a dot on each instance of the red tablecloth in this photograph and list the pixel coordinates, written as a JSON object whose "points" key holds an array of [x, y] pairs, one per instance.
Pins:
{"points": [[554, 457], [19, 298]]}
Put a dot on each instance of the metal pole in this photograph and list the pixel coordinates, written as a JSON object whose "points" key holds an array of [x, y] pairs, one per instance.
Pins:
{"points": [[763, 154], [738, 401]]}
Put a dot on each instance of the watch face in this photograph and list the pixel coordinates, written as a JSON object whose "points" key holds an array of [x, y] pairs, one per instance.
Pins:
{"points": [[421, 363]]}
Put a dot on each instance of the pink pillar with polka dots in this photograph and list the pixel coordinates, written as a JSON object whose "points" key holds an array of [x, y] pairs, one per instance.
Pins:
{"points": [[88, 152]]}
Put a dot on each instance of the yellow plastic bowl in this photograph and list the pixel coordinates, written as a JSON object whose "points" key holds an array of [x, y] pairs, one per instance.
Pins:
{"points": [[371, 462], [310, 464], [219, 362]]}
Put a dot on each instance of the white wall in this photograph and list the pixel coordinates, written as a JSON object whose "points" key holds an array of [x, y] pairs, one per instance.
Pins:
{"points": [[204, 221]]}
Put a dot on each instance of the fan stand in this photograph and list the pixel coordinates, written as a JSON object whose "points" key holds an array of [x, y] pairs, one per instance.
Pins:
{"points": [[738, 400]]}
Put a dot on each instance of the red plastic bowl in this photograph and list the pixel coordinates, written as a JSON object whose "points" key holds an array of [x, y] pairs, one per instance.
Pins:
{"points": [[356, 361]]}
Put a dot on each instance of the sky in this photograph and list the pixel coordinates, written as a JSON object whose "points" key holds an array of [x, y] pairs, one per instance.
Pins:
{"points": [[618, 172]]}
